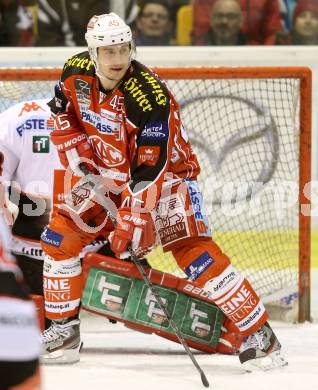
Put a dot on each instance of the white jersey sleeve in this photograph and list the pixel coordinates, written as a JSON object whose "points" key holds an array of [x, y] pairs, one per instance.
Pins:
{"points": [[10, 147]]}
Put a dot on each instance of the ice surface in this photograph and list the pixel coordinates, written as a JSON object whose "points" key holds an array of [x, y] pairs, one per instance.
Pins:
{"points": [[116, 358]]}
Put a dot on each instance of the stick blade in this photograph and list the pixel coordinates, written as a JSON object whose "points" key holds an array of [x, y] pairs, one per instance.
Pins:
{"points": [[204, 380]]}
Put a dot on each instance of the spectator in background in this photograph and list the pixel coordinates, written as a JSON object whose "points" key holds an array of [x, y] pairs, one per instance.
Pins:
{"points": [[64, 22], [154, 26], [16, 23], [174, 6], [305, 25], [287, 10], [126, 9], [226, 22], [261, 20]]}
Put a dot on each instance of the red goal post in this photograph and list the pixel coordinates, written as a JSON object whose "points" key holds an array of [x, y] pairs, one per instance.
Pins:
{"points": [[250, 111]]}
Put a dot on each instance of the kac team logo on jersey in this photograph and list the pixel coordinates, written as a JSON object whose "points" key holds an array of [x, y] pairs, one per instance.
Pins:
{"points": [[111, 156]]}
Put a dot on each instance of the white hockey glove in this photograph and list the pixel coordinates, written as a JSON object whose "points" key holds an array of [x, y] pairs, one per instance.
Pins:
{"points": [[9, 209]]}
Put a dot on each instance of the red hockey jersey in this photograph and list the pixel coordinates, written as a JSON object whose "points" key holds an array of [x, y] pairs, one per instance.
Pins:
{"points": [[135, 130]]}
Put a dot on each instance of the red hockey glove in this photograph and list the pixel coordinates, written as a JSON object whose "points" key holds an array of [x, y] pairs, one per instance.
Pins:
{"points": [[73, 143], [133, 229]]}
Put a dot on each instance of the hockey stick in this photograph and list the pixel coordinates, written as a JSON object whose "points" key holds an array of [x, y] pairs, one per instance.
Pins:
{"points": [[162, 306], [108, 205]]}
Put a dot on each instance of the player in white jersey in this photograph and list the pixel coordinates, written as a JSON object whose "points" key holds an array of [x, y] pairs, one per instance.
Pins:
{"points": [[28, 161], [28, 165], [19, 332]]}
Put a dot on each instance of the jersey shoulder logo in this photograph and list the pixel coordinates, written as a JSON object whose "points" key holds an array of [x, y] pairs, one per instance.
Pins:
{"points": [[28, 107], [81, 63]]}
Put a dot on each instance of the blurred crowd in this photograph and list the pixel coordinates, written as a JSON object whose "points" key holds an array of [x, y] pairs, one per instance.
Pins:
{"points": [[163, 22]]}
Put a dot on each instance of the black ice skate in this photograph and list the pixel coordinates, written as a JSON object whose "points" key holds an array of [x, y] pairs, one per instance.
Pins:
{"points": [[261, 351], [61, 342]]}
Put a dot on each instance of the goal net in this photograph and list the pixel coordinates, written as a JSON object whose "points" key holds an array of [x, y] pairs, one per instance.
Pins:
{"points": [[251, 130]]}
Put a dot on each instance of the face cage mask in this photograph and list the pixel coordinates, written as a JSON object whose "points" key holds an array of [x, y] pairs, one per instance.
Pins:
{"points": [[93, 54]]}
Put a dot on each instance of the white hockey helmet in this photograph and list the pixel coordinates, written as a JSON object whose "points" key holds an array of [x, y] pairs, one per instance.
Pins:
{"points": [[105, 30]]}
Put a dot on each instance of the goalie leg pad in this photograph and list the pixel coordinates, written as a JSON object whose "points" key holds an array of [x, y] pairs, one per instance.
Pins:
{"points": [[62, 286], [209, 268], [231, 338], [116, 289]]}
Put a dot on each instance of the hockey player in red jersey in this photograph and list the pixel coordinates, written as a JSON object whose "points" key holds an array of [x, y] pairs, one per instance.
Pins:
{"points": [[117, 117]]}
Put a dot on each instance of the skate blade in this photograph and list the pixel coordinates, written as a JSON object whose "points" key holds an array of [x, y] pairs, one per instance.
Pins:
{"points": [[272, 361], [62, 356]]}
